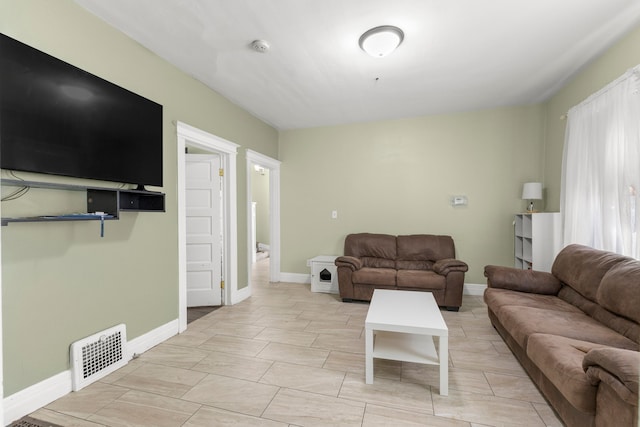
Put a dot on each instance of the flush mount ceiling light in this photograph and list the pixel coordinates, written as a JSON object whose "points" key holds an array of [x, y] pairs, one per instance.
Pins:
{"points": [[261, 46], [381, 41]]}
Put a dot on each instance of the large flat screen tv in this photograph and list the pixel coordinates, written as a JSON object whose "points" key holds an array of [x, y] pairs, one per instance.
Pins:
{"points": [[58, 119]]}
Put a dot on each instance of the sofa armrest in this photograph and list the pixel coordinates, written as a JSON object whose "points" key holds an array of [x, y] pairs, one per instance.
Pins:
{"points": [[447, 265], [532, 281], [349, 262], [617, 367]]}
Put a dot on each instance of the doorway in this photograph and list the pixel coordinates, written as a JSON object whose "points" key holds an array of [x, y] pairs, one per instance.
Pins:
{"points": [[271, 167], [260, 230], [203, 142]]}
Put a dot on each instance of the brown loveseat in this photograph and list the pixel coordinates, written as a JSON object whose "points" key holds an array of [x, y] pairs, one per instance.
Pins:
{"points": [[576, 331], [419, 262]]}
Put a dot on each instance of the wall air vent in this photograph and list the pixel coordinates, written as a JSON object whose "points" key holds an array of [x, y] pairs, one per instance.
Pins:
{"points": [[96, 356]]}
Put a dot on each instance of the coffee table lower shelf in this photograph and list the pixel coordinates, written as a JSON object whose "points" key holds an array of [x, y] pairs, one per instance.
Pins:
{"points": [[405, 347]]}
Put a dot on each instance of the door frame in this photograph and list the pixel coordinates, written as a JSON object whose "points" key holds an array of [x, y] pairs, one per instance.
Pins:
{"points": [[255, 158], [189, 136]]}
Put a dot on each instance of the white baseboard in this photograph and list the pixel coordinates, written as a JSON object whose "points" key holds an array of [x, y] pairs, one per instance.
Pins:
{"points": [[240, 295], [474, 289], [152, 338], [295, 277], [469, 288], [41, 394], [36, 396]]}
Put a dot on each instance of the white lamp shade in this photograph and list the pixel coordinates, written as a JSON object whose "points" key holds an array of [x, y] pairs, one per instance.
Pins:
{"points": [[532, 191], [381, 41]]}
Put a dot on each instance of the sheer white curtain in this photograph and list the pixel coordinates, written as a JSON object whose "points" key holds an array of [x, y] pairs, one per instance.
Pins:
{"points": [[601, 168]]}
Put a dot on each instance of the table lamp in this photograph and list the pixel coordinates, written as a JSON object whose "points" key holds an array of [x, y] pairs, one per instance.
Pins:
{"points": [[532, 191]]}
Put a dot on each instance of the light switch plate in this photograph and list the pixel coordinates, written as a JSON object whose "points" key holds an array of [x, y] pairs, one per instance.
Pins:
{"points": [[459, 201]]}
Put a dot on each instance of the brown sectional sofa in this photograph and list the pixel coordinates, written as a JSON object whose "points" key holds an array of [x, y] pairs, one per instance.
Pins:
{"points": [[576, 331], [419, 262]]}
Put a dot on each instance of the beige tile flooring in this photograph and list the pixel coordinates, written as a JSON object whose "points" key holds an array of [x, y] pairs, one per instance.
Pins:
{"points": [[290, 357]]}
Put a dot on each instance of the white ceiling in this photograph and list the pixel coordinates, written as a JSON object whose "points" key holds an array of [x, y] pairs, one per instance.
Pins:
{"points": [[457, 55]]}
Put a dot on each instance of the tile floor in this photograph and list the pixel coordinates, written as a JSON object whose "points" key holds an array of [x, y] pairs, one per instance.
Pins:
{"points": [[290, 357]]}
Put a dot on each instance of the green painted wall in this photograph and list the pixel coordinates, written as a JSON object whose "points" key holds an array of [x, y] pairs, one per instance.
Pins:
{"points": [[260, 195], [625, 54], [397, 177], [62, 282]]}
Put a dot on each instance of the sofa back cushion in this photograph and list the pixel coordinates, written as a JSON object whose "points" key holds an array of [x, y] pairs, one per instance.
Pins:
{"points": [[375, 250], [582, 268], [420, 251], [619, 291], [620, 324]]}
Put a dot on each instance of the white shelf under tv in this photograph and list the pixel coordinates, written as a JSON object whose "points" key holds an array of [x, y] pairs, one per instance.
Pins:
{"points": [[109, 201]]}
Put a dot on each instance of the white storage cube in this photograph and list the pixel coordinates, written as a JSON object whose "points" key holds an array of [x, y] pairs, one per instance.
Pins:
{"points": [[324, 274]]}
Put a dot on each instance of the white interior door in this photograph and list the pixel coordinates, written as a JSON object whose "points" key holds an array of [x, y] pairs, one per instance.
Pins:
{"points": [[203, 230]]}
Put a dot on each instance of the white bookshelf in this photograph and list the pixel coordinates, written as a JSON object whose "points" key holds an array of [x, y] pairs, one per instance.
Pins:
{"points": [[537, 240]]}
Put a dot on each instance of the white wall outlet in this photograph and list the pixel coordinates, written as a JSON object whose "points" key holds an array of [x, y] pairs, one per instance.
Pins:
{"points": [[334, 214]]}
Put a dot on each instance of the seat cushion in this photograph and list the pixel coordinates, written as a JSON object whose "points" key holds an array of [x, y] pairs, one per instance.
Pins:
{"points": [[496, 298], [522, 322], [420, 279], [560, 359], [374, 262], [620, 324], [374, 276]]}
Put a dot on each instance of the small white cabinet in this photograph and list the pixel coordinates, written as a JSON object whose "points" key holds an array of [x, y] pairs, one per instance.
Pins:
{"points": [[537, 240], [324, 274]]}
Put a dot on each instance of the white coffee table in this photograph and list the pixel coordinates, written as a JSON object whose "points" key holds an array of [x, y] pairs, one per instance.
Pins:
{"points": [[400, 325]]}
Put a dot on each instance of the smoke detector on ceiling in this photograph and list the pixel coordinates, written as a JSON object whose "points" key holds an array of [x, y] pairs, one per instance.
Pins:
{"points": [[261, 46]]}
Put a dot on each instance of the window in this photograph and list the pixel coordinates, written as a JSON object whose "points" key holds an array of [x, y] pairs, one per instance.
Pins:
{"points": [[601, 168]]}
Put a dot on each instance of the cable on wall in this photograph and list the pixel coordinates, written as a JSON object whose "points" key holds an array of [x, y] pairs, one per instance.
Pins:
{"points": [[17, 193]]}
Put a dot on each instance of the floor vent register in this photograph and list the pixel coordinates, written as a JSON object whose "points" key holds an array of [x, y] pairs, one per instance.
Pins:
{"points": [[32, 422], [96, 356]]}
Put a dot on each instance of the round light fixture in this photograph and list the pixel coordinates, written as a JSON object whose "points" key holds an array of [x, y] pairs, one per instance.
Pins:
{"points": [[261, 46], [381, 41]]}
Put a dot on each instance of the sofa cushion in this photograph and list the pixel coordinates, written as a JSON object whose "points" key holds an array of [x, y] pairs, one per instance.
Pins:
{"points": [[583, 268], [369, 245], [420, 279], [496, 298], [522, 322], [413, 265], [423, 247], [560, 360], [374, 262], [374, 276], [619, 291], [536, 282], [622, 325]]}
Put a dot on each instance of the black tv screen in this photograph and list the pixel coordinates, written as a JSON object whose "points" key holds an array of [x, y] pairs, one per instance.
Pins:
{"points": [[58, 119]]}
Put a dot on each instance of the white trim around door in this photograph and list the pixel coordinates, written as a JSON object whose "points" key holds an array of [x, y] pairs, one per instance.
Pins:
{"points": [[189, 136]]}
